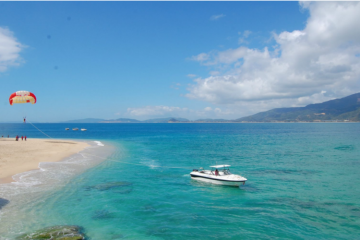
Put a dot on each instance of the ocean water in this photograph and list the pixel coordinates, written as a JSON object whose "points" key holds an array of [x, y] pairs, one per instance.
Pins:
{"points": [[303, 182]]}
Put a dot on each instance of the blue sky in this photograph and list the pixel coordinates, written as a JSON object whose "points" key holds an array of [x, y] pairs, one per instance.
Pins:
{"points": [[174, 59]]}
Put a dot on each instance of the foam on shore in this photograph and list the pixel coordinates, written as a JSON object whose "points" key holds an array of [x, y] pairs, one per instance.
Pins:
{"points": [[29, 187], [53, 173]]}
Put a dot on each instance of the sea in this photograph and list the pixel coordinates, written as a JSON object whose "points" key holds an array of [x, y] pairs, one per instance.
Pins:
{"points": [[133, 182]]}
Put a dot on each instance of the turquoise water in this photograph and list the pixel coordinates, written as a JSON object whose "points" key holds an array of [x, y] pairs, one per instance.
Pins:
{"points": [[303, 182]]}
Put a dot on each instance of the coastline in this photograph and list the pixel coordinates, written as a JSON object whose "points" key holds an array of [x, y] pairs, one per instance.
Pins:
{"points": [[23, 156], [29, 188]]}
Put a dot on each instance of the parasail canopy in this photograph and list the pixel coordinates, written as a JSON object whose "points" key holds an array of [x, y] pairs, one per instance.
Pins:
{"points": [[22, 97]]}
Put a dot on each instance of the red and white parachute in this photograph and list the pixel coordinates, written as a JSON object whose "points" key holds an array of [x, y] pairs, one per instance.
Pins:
{"points": [[22, 97]]}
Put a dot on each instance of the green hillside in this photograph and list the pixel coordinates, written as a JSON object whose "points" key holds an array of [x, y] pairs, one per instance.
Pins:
{"points": [[343, 109]]}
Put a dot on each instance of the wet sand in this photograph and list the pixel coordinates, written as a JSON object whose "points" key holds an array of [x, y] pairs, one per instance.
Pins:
{"points": [[22, 156]]}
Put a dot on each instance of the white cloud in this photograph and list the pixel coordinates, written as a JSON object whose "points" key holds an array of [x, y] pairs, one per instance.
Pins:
{"points": [[191, 75], [212, 73], [216, 17], [201, 57], [244, 36], [246, 33], [175, 86], [217, 110], [317, 63], [155, 110], [170, 111], [9, 49]]}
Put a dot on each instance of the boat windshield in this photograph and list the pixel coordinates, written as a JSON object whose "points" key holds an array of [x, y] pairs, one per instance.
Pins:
{"points": [[227, 172]]}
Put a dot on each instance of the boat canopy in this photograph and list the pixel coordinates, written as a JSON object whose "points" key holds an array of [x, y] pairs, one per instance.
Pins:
{"points": [[220, 166]]}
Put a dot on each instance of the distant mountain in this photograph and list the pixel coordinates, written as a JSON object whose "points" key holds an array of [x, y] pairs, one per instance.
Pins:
{"points": [[209, 120], [165, 120], [343, 109], [121, 120], [127, 120], [156, 120]]}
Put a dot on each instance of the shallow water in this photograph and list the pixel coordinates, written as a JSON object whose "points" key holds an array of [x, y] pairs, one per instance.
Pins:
{"points": [[302, 183]]}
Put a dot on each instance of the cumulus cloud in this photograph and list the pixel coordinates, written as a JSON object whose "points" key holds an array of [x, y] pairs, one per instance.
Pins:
{"points": [[217, 17], [9, 49], [317, 63]]}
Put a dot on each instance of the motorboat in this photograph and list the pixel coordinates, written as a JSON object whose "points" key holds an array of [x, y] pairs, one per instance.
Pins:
{"points": [[83, 129], [75, 129], [66, 129], [223, 176]]}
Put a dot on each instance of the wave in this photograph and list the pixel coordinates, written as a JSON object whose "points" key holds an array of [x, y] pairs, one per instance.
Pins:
{"points": [[99, 143], [32, 186], [29, 185]]}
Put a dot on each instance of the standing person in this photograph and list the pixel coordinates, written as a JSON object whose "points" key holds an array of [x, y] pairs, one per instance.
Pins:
{"points": [[25, 138], [8, 136], [16, 138], [22, 138]]}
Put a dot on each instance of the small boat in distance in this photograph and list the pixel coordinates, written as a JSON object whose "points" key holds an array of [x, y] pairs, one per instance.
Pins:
{"points": [[75, 129], [66, 129], [83, 129], [221, 177]]}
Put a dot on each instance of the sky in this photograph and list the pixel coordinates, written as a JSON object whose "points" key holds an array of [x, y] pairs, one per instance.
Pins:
{"points": [[195, 60]]}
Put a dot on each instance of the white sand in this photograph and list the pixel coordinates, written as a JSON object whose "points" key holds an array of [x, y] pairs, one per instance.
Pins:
{"points": [[22, 156]]}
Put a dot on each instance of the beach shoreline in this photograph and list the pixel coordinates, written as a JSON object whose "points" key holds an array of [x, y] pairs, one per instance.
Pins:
{"points": [[23, 156]]}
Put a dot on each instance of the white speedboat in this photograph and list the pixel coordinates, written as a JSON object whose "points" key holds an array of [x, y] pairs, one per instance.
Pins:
{"points": [[75, 129], [221, 177], [83, 129]]}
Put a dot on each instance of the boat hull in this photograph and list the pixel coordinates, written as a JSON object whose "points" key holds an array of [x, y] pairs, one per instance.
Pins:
{"points": [[234, 183]]}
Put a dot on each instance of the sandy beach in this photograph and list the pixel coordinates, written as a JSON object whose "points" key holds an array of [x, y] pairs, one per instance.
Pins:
{"points": [[21, 156]]}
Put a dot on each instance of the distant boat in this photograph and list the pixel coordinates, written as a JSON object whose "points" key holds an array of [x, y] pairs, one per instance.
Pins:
{"points": [[75, 129], [66, 129], [83, 129]]}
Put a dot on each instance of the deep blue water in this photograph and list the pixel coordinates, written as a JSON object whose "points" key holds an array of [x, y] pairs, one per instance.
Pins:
{"points": [[303, 182]]}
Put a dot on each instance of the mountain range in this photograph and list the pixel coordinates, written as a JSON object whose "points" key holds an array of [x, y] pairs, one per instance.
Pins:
{"points": [[345, 109], [127, 120]]}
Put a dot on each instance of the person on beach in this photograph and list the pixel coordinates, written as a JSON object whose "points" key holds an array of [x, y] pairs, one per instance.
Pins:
{"points": [[22, 138], [25, 138], [8, 136], [16, 138]]}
